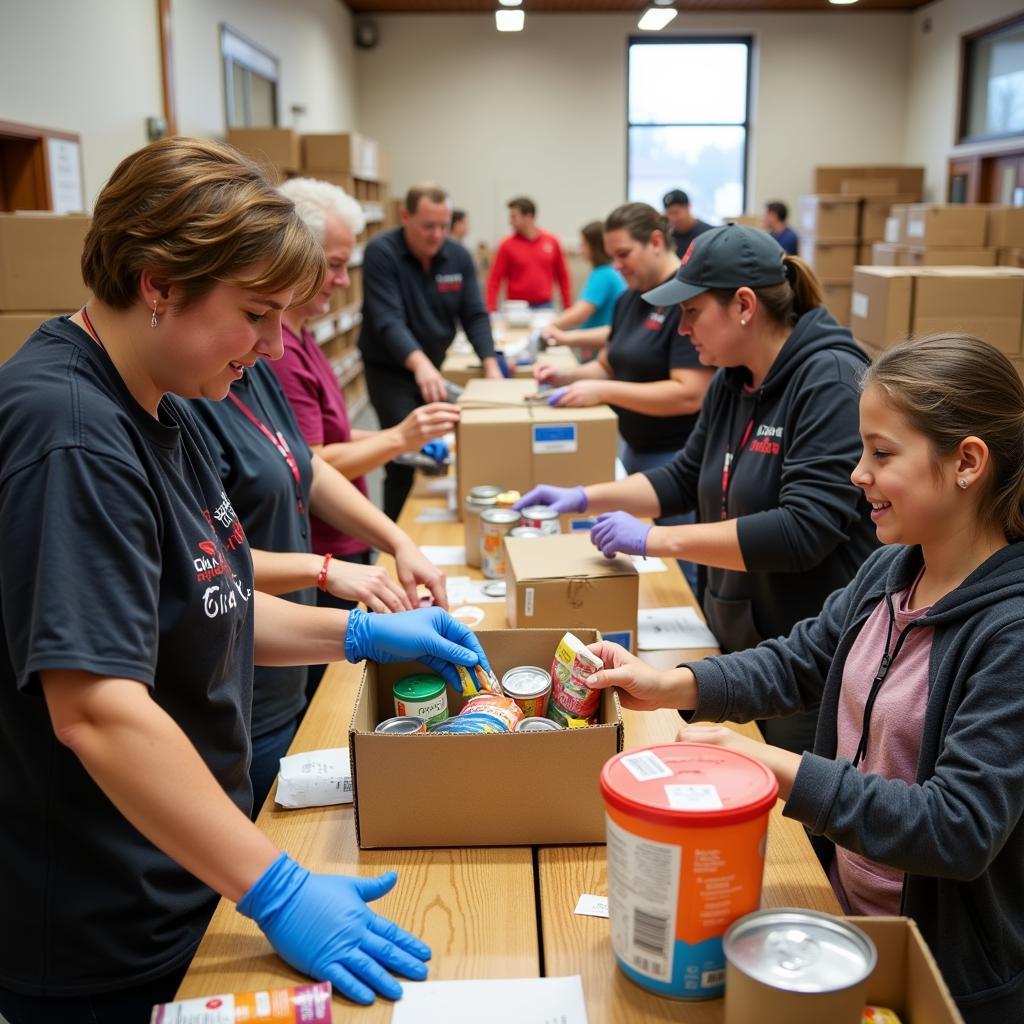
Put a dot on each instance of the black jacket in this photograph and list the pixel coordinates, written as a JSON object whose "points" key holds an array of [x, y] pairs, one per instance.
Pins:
{"points": [[804, 529], [957, 830]]}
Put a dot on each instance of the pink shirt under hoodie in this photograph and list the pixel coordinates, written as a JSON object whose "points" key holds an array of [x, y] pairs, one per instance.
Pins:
{"points": [[894, 740]]}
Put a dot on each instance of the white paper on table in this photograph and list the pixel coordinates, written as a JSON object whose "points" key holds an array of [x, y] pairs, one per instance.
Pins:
{"points": [[439, 485], [431, 514], [501, 1001], [315, 778], [649, 564], [463, 590], [664, 629], [589, 905], [444, 554]]}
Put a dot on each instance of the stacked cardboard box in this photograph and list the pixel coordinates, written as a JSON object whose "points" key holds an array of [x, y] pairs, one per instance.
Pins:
{"points": [[932, 234], [40, 272], [1006, 234], [277, 149]]}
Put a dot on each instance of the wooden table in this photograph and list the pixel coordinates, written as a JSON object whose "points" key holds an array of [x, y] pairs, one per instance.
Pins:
{"points": [[479, 908]]}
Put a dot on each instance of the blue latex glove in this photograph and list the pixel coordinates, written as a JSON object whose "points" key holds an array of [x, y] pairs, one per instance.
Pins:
{"points": [[555, 396], [620, 533], [429, 635], [561, 499], [437, 450], [321, 925]]}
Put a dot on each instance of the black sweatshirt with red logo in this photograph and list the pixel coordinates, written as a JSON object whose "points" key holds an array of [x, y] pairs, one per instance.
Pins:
{"points": [[778, 459]]}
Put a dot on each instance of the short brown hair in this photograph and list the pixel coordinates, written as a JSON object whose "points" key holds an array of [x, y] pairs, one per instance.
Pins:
{"points": [[639, 219], [424, 190], [527, 207], [950, 386], [593, 234], [784, 303], [196, 213]]}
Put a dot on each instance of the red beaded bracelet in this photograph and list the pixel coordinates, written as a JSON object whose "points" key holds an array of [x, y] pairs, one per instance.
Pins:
{"points": [[321, 580]]}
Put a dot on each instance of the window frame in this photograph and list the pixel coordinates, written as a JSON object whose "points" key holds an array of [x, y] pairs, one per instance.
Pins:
{"points": [[236, 49], [688, 38], [967, 41]]}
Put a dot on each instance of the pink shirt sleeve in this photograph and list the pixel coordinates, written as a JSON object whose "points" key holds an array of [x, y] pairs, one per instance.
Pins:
{"points": [[302, 389]]}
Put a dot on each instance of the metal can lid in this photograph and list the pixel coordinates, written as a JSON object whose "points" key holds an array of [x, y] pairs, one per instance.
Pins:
{"points": [[421, 686], [526, 681], [496, 589], [538, 725], [480, 503], [689, 784], [484, 491], [401, 724], [526, 531], [500, 515], [800, 950], [539, 512]]}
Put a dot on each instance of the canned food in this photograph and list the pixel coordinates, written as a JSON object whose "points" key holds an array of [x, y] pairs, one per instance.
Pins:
{"points": [[469, 724], [686, 825], [473, 506], [508, 498], [495, 524], [492, 704], [525, 531], [538, 725], [542, 518], [421, 696], [402, 725], [571, 698], [796, 965], [483, 492], [477, 680], [530, 687]]}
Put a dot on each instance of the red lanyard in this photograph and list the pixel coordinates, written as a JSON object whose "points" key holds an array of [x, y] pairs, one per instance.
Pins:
{"points": [[728, 461], [279, 443]]}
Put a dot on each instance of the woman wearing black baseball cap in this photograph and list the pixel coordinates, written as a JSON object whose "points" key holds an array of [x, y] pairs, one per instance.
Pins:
{"points": [[767, 467]]}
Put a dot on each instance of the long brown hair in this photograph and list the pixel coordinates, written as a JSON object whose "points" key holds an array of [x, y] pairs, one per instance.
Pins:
{"points": [[952, 386], [593, 235]]}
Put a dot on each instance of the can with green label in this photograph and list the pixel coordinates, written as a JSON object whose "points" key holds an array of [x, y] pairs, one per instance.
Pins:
{"points": [[421, 696]]}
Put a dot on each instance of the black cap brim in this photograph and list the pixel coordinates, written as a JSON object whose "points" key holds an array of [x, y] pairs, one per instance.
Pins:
{"points": [[671, 293]]}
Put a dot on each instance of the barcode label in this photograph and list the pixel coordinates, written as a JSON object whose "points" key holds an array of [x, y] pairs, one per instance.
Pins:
{"points": [[709, 979], [528, 602], [693, 798], [649, 932], [645, 766]]}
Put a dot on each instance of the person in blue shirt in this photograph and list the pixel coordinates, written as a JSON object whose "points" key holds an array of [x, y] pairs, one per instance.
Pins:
{"points": [[596, 304], [775, 215]]}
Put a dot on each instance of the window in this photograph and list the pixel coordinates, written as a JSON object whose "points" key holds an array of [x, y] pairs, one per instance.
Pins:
{"points": [[250, 82], [992, 101], [688, 122]]}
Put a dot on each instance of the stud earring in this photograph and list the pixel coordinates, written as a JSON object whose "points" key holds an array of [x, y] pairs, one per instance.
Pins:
{"points": [[743, 323], [152, 319], [962, 484]]}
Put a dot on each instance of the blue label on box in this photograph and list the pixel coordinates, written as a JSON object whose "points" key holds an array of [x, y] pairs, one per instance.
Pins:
{"points": [[554, 438], [623, 637], [581, 525]]}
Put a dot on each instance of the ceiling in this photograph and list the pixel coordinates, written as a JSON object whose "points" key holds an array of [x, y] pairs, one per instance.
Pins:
{"points": [[535, 6]]}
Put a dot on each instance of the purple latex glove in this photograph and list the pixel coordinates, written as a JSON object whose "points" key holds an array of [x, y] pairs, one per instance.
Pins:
{"points": [[555, 396], [620, 533], [561, 499]]}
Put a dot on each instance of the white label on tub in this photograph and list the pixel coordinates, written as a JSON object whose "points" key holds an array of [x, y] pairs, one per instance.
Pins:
{"points": [[643, 893], [528, 601], [645, 766], [859, 305], [693, 798]]}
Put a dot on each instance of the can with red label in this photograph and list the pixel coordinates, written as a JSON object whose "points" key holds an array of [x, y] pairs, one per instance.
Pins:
{"points": [[493, 704], [542, 518], [530, 687]]}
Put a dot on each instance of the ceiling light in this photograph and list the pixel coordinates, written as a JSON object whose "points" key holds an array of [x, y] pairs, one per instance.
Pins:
{"points": [[510, 3], [656, 18], [842, 3], [509, 21]]}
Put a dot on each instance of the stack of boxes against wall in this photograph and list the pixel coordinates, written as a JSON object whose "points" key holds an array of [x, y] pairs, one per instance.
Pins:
{"points": [[360, 166], [847, 212], [40, 272]]}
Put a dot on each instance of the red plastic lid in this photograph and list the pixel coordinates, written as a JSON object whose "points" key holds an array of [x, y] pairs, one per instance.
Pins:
{"points": [[689, 784]]}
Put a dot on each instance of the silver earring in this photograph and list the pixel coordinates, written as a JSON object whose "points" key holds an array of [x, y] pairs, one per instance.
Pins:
{"points": [[962, 484], [152, 319], [743, 323]]}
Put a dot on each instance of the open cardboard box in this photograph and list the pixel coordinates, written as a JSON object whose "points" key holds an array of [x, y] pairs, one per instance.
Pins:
{"points": [[490, 790]]}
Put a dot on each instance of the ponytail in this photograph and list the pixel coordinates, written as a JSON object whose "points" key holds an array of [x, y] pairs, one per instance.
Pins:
{"points": [[784, 303]]}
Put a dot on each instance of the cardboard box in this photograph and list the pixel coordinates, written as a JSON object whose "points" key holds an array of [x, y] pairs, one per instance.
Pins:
{"points": [[896, 223], [278, 148], [829, 216], [831, 260], [837, 301], [874, 214], [946, 256], [501, 439], [341, 153], [933, 224], [864, 255], [880, 305], [862, 187], [565, 580], [1010, 257], [41, 261], [15, 329], [906, 978], [462, 367], [908, 179], [1006, 227], [890, 254], [503, 788]]}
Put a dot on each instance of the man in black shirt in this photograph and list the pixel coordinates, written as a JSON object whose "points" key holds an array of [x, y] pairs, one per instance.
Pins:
{"points": [[418, 285], [684, 226]]}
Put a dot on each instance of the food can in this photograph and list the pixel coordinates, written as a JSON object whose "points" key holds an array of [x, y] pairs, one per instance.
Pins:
{"points": [[530, 687], [494, 525], [799, 966], [529, 532], [542, 518], [401, 725], [308, 1003], [469, 724], [472, 507], [483, 492], [508, 498], [538, 725], [421, 696], [493, 704], [686, 826]]}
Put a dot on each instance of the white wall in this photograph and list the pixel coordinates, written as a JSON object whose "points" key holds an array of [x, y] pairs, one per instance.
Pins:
{"points": [[543, 112], [87, 66], [934, 77]]}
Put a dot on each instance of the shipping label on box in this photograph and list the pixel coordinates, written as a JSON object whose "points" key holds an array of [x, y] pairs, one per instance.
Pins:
{"points": [[880, 305], [932, 224]]}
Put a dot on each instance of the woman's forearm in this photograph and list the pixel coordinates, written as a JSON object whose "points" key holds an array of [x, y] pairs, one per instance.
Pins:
{"points": [[634, 495], [713, 544], [283, 572], [357, 457]]}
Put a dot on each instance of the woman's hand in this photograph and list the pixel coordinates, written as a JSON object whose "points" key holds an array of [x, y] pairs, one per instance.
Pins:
{"points": [[369, 584], [548, 373], [641, 687], [552, 335], [413, 568], [578, 394], [426, 423]]}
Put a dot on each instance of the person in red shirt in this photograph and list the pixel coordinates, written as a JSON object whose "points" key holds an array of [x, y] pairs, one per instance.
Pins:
{"points": [[530, 259]]}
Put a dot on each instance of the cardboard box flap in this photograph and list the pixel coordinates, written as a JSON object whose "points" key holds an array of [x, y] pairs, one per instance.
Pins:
{"points": [[497, 392], [563, 557]]}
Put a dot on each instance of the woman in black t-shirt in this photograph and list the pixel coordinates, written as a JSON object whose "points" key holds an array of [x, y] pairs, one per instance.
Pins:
{"points": [[129, 623]]}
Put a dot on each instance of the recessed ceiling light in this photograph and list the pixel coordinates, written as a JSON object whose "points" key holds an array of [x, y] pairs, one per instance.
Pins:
{"points": [[510, 3], [509, 21], [656, 18], [842, 3]]}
